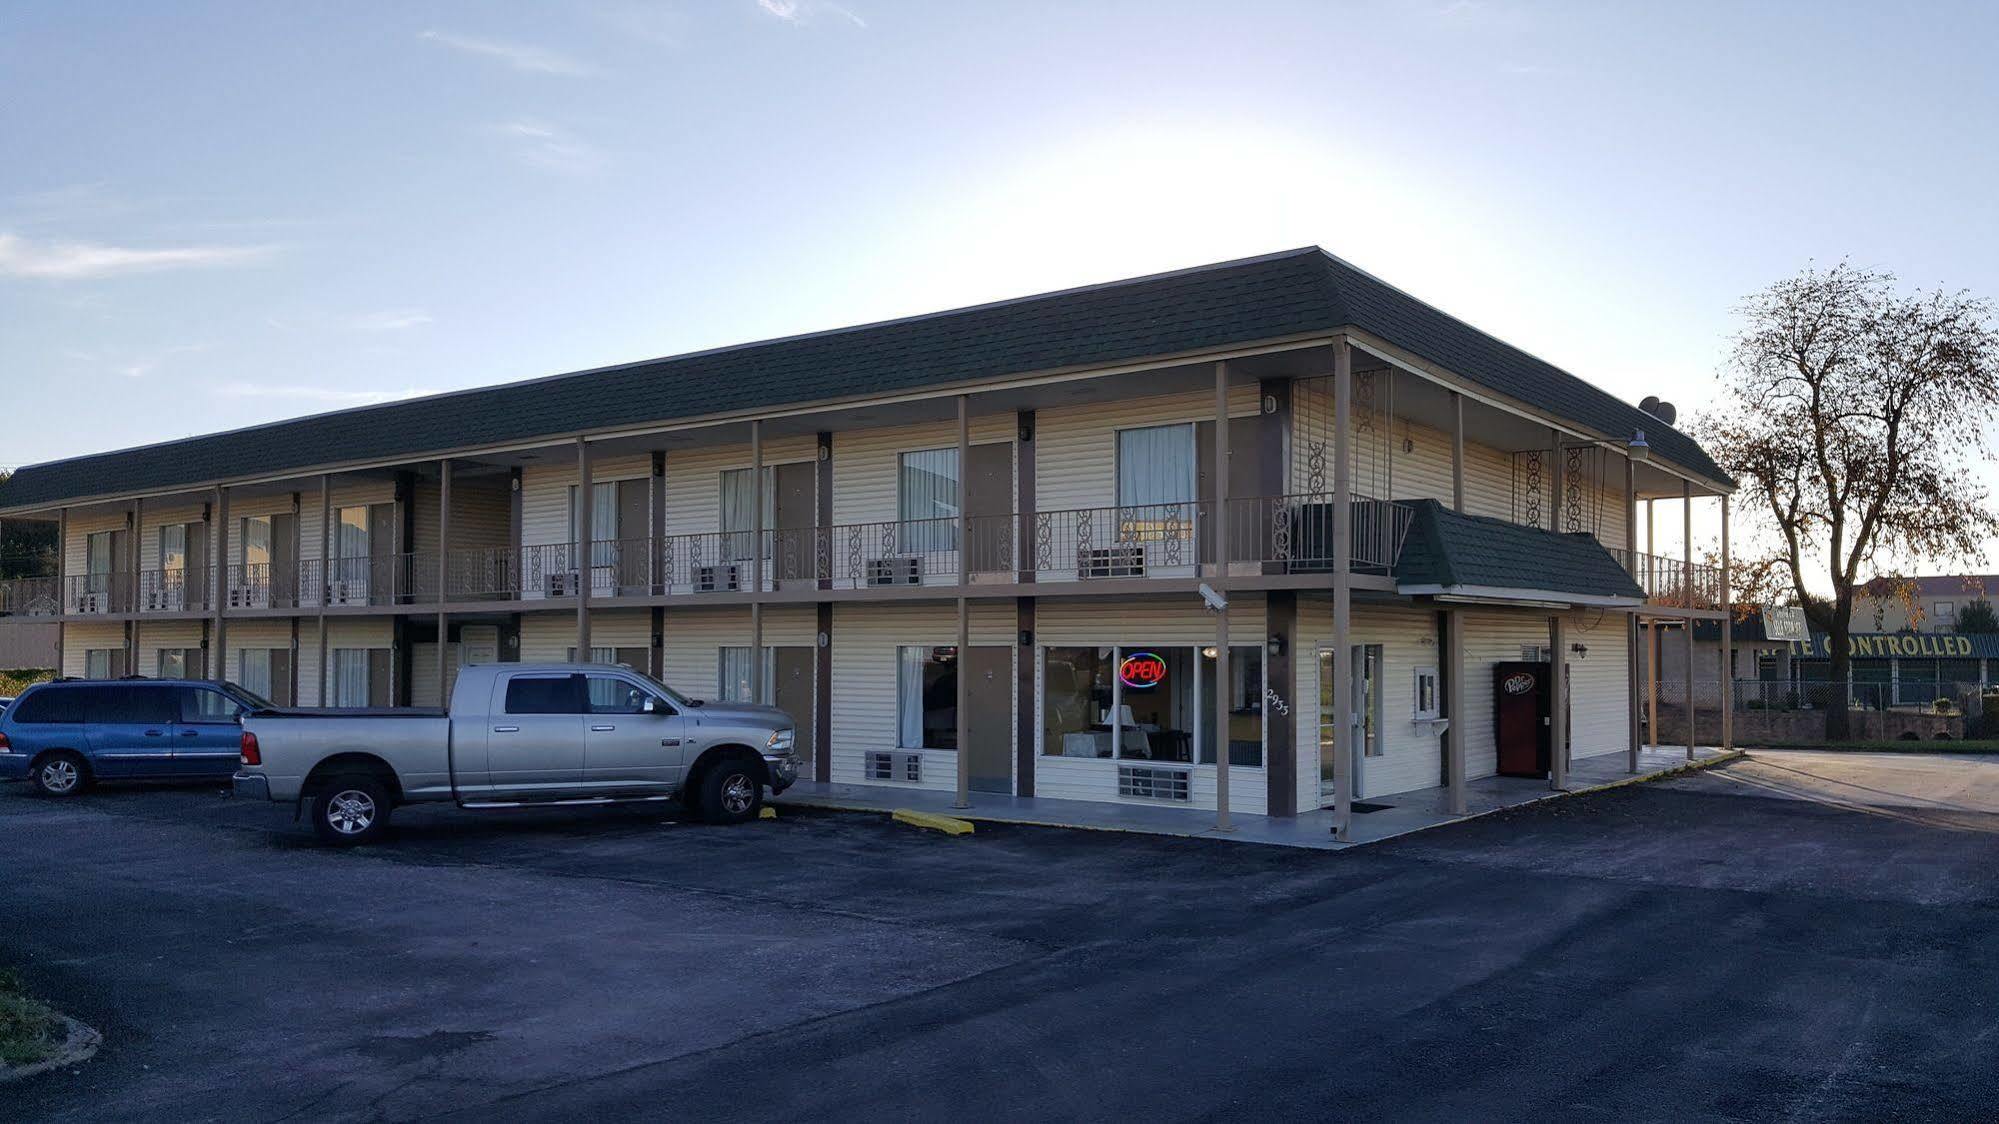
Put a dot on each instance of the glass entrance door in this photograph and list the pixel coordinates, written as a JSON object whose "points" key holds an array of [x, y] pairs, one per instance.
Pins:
{"points": [[1364, 665], [1328, 767]]}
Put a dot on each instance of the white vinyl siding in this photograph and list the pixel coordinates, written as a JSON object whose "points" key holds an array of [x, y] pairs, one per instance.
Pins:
{"points": [[1075, 456], [866, 639]]}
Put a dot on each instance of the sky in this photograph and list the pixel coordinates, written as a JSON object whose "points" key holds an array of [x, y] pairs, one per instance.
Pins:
{"points": [[217, 214]]}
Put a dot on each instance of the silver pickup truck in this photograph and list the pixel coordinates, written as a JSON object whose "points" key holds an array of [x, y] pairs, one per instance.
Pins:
{"points": [[519, 735]]}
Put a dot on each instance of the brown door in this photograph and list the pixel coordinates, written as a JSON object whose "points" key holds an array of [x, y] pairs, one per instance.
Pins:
{"points": [[118, 583], [284, 562], [1520, 718], [989, 507], [633, 534], [792, 693], [1249, 522], [382, 586], [991, 720], [196, 581], [795, 498]]}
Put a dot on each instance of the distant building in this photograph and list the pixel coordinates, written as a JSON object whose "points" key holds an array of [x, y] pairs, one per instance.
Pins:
{"points": [[1930, 605]]}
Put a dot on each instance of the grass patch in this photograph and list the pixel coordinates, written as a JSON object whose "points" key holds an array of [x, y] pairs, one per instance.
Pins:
{"points": [[1897, 746], [29, 1030]]}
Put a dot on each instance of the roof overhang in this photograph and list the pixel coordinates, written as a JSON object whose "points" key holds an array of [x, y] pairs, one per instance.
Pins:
{"points": [[1519, 598]]}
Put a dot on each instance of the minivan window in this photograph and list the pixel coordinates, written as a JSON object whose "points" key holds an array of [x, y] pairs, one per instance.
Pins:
{"points": [[133, 705], [48, 706], [205, 706], [545, 694]]}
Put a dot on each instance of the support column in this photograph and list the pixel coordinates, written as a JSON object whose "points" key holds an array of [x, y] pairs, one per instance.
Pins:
{"points": [[1632, 690], [1220, 582], [1457, 451], [1687, 591], [1281, 764], [1727, 640], [1452, 666], [130, 599], [964, 696], [822, 694], [443, 579], [1558, 704], [1023, 697], [219, 581], [1557, 480], [585, 536], [1343, 712], [325, 577], [757, 561]]}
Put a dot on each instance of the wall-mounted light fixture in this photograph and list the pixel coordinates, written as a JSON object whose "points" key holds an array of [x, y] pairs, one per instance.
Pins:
{"points": [[1027, 638], [1275, 646], [1026, 432], [1270, 403], [1581, 650], [825, 640]]}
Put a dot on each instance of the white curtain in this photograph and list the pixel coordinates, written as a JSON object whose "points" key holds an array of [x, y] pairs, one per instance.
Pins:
{"points": [[351, 537], [739, 510], [257, 540], [173, 547], [733, 680], [928, 491], [1156, 465], [253, 671], [909, 697], [350, 677], [603, 521]]}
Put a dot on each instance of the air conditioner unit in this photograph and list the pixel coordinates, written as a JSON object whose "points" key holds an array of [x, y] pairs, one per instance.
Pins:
{"points": [[892, 765], [342, 591], [165, 600], [1126, 560], [725, 577], [249, 597], [1149, 782], [905, 569], [562, 583], [93, 602]]}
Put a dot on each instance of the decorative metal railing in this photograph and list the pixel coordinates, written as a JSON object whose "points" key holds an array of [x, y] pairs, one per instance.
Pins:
{"points": [[31, 597], [1666, 580]]}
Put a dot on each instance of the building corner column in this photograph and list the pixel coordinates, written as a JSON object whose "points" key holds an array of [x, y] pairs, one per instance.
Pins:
{"points": [[1221, 585], [1343, 708], [962, 705], [1453, 669], [1558, 703]]}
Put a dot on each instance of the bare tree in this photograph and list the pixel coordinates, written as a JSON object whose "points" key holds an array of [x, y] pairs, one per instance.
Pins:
{"points": [[1852, 415]]}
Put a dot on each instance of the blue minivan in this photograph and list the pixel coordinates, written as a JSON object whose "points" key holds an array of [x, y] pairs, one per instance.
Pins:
{"points": [[63, 736]]}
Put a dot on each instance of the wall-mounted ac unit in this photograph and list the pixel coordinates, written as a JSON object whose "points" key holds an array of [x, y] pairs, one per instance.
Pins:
{"points": [[342, 591], [93, 602], [1125, 560], [165, 600], [725, 577], [892, 765], [561, 583], [903, 569], [1149, 782], [249, 597]]}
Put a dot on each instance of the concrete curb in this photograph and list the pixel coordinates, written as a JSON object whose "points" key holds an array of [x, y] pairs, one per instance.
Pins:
{"points": [[80, 1046]]}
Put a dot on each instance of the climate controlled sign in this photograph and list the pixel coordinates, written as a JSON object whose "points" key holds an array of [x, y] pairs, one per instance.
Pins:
{"points": [[1140, 670]]}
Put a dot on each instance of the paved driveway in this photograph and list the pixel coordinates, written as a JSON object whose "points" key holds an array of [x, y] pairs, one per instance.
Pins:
{"points": [[1708, 947]]}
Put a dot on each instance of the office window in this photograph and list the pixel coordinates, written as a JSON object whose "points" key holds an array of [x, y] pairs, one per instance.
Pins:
{"points": [[1244, 700], [1150, 702], [733, 675], [927, 698], [1156, 465], [1429, 700], [927, 501]]}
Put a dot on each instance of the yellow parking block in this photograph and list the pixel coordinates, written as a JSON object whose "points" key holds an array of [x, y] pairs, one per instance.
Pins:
{"points": [[768, 813], [946, 824]]}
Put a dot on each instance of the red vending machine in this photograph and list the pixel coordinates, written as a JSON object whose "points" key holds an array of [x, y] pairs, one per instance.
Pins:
{"points": [[1520, 718]]}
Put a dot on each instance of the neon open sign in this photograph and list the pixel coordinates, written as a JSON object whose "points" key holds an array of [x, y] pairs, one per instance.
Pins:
{"points": [[1141, 670]]}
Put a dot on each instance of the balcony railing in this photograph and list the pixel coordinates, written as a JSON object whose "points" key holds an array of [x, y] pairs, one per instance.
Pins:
{"points": [[1665, 581], [1282, 535], [31, 597]]}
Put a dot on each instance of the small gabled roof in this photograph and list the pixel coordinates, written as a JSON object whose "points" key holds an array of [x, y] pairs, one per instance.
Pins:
{"points": [[1213, 307], [1449, 550]]}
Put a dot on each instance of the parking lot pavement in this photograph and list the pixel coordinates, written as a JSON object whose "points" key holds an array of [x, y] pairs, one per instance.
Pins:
{"points": [[1699, 949]]}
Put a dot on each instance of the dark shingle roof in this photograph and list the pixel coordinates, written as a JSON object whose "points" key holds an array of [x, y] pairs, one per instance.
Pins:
{"points": [[1448, 548], [1241, 302]]}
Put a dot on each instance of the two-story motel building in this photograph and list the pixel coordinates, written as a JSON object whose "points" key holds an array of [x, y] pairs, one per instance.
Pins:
{"points": [[965, 550]]}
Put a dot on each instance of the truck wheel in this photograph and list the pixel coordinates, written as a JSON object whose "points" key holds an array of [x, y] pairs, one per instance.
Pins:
{"points": [[731, 792], [351, 809], [59, 774]]}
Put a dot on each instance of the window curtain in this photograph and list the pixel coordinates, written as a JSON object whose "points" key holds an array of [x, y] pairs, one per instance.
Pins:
{"points": [[350, 677], [1156, 465], [733, 676], [909, 697], [603, 521], [257, 541], [253, 671], [739, 510], [173, 547], [928, 491]]}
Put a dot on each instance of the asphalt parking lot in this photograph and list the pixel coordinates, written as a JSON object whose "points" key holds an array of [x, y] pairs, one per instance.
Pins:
{"points": [[1758, 941]]}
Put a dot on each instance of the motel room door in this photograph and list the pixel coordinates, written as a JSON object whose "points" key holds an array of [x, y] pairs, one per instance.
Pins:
{"points": [[990, 692], [792, 692], [794, 551], [988, 503]]}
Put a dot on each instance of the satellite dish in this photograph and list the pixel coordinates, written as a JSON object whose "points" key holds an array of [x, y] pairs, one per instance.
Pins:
{"points": [[1666, 413], [1650, 405]]}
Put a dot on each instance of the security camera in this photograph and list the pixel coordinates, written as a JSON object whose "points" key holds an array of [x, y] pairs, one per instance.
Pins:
{"points": [[1215, 601]]}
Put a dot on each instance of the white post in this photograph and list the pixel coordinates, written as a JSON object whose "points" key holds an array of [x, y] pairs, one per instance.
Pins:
{"points": [[1221, 523], [1343, 711], [964, 700]]}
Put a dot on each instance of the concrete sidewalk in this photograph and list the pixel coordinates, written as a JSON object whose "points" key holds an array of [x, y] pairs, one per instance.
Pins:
{"points": [[1405, 812]]}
